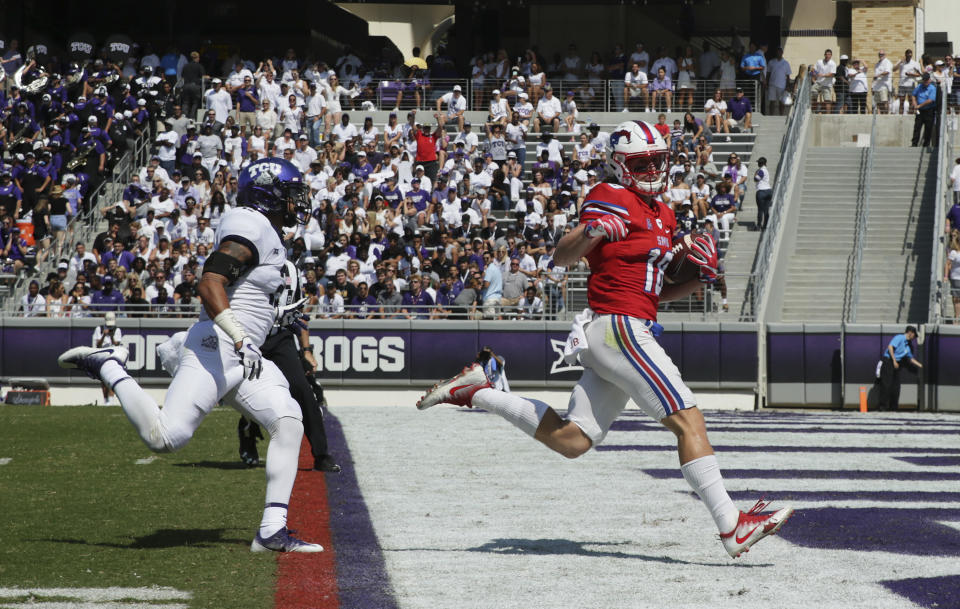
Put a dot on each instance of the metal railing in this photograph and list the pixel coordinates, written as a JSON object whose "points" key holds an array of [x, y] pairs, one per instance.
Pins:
{"points": [[790, 149], [940, 285], [855, 263]]}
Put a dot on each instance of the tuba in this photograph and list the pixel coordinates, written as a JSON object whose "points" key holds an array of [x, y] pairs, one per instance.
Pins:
{"points": [[35, 86], [75, 77], [3, 73], [80, 157]]}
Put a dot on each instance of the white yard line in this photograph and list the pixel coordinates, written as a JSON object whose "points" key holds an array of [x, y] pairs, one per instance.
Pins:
{"points": [[146, 460], [5, 460]]}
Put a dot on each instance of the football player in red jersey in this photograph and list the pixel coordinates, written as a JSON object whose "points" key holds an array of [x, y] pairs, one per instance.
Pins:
{"points": [[625, 234]]}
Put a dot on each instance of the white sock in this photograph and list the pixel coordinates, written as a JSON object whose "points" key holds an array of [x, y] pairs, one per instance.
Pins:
{"points": [[703, 476], [523, 413], [140, 408], [283, 457]]}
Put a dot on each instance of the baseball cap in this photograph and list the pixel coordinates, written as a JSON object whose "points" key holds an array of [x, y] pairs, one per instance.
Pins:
{"points": [[197, 155], [361, 153], [393, 114], [457, 88], [591, 173], [467, 123], [511, 155], [415, 181], [141, 102], [938, 62], [496, 92], [593, 126], [110, 319], [216, 81], [108, 279], [842, 57], [419, 168], [309, 260], [303, 136], [524, 96], [63, 265], [570, 93]]}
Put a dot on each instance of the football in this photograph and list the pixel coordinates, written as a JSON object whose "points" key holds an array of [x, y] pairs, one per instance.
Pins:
{"points": [[681, 270]]}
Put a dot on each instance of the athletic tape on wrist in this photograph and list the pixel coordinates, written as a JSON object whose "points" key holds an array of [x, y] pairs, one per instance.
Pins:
{"points": [[227, 322]]}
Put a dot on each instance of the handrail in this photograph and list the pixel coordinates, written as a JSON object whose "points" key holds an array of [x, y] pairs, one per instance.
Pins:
{"points": [[790, 147], [863, 215], [945, 142]]}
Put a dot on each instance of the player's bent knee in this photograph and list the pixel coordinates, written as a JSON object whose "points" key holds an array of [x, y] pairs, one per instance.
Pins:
{"points": [[572, 441]]}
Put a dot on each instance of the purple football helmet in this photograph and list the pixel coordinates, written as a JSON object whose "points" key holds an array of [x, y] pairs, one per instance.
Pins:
{"points": [[269, 184]]}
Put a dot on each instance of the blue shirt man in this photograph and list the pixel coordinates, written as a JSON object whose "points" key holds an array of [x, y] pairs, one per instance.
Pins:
{"points": [[493, 285], [753, 64], [925, 94], [897, 352]]}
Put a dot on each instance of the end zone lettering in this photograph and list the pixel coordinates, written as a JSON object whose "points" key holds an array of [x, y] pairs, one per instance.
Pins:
{"points": [[359, 354]]}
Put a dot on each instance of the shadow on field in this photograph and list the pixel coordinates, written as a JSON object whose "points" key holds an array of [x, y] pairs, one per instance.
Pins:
{"points": [[226, 465], [166, 538], [555, 547]]}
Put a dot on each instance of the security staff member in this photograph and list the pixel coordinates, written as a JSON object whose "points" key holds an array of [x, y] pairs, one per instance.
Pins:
{"points": [[925, 101], [896, 355], [285, 345]]}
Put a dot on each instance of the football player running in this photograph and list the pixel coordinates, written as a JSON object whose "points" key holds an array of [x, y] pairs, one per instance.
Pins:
{"points": [[221, 358], [625, 234]]}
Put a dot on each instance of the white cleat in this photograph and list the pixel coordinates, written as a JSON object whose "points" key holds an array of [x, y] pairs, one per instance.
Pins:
{"points": [[91, 359], [458, 390], [754, 526]]}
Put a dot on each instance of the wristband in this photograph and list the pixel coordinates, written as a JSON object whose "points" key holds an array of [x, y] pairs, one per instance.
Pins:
{"points": [[227, 322], [306, 349]]}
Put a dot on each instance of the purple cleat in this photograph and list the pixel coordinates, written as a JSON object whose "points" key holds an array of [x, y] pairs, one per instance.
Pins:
{"points": [[283, 541]]}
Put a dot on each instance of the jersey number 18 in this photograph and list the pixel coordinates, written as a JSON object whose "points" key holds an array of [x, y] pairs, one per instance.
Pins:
{"points": [[657, 261]]}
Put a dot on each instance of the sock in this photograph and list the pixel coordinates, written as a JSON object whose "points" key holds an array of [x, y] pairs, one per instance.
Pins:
{"points": [[283, 456], [703, 476], [521, 412], [724, 301], [140, 408]]}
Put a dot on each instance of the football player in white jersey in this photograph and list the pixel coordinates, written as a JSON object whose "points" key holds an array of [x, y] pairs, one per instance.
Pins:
{"points": [[221, 358]]}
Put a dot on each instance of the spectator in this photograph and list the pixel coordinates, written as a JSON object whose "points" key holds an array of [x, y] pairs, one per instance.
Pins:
{"points": [[531, 306], [910, 73], [857, 77], [739, 113], [492, 287], [389, 300], [897, 354], [882, 82], [33, 304], [514, 284], [723, 209], [738, 177], [716, 109], [824, 75], [417, 302], [753, 64], [924, 99], [427, 146], [841, 85], [764, 193], [951, 272], [778, 79], [456, 107], [728, 74], [363, 303], [634, 86], [685, 85], [466, 301], [107, 299], [954, 217], [548, 111], [661, 88]]}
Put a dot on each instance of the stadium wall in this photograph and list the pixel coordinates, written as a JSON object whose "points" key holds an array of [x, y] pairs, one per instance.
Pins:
{"points": [[809, 364]]}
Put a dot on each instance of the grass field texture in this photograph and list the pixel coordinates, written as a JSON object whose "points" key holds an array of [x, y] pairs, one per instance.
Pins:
{"points": [[78, 511]]}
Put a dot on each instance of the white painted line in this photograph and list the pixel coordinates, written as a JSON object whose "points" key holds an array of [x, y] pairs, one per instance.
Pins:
{"points": [[153, 593], [27, 604], [5, 460], [146, 460]]}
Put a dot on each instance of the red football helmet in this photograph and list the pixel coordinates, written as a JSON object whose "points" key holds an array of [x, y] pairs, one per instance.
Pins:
{"points": [[640, 157]]}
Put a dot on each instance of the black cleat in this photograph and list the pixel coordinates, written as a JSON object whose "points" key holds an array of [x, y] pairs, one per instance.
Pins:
{"points": [[326, 464], [248, 433]]}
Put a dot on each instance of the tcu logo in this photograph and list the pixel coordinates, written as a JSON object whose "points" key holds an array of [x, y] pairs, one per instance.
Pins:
{"points": [[81, 47], [264, 173], [119, 47], [40, 49]]}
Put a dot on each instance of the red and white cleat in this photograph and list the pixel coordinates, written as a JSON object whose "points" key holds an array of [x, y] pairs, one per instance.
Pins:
{"points": [[754, 526], [459, 390]]}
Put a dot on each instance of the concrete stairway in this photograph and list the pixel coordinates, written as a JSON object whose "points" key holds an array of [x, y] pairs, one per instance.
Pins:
{"points": [[825, 233], [742, 248], [895, 271]]}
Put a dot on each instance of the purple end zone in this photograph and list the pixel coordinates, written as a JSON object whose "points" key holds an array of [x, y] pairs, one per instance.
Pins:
{"points": [[933, 592], [631, 425], [931, 461], [362, 579], [812, 474], [896, 530]]}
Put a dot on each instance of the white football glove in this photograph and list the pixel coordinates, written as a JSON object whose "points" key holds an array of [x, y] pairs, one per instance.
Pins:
{"points": [[610, 226], [291, 316], [250, 358]]}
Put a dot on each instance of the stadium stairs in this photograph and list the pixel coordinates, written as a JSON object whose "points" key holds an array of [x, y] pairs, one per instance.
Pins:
{"points": [[895, 272]]}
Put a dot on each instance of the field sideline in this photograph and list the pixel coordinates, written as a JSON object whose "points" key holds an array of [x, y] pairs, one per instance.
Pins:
{"points": [[452, 508]]}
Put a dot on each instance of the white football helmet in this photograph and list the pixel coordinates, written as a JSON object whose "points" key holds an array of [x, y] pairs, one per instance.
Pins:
{"points": [[640, 158]]}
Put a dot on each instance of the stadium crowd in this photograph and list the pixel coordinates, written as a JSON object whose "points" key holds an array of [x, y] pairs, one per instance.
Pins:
{"points": [[424, 216]]}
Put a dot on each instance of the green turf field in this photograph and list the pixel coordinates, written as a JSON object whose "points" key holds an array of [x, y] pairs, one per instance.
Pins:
{"points": [[79, 512]]}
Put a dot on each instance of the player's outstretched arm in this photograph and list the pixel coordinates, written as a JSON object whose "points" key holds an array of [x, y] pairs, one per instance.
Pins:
{"points": [[574, 245]]}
